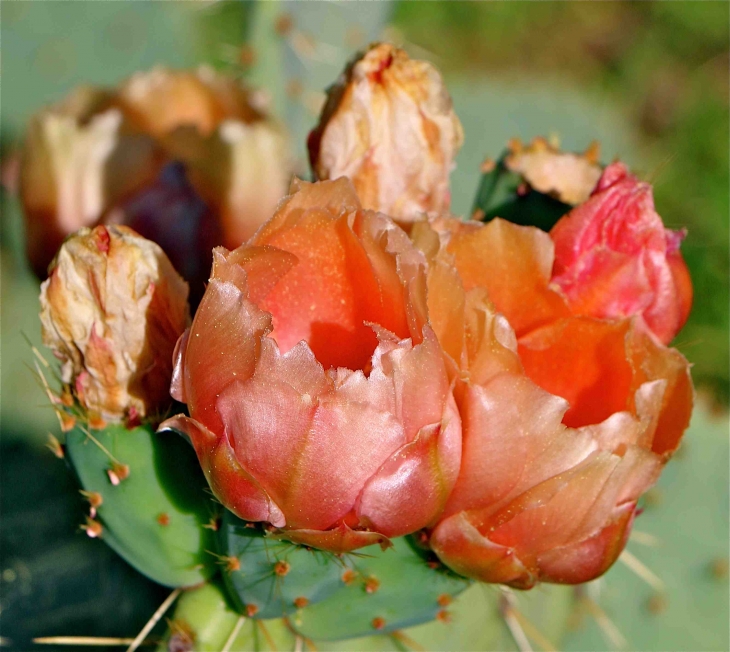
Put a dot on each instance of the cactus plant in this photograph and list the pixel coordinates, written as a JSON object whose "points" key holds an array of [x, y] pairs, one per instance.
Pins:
{"points": [[156, 516]]}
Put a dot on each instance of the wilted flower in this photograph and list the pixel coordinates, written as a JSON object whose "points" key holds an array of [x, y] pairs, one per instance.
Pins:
{"points": [[614, 258], [566, 176], [237, 157], [80, 157], [318, 397], [112, 309], [566, 422], [90, 157], [390, 127]]}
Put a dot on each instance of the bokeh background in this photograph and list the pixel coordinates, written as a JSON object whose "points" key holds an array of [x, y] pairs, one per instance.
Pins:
{"points": [[649, 80]]}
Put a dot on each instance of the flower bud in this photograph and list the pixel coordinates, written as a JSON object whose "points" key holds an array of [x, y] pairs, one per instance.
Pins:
{"points": [[112, 309], [614, 258], [389, 126], [79, 159]]}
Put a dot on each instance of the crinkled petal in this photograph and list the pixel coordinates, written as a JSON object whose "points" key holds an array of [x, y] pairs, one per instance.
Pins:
{"points": [[228, 480]]}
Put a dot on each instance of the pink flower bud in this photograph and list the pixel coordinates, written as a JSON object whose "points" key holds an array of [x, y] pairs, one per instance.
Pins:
{"points": [[390, 127], [112, 309], [614, 258], [318, 397]]}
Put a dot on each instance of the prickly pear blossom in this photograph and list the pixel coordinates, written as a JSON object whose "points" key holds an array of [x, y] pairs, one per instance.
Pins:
{"points": [[318, 396], [614, 258], [112, 309], [389, 126], [567, 419], [91, 156]]}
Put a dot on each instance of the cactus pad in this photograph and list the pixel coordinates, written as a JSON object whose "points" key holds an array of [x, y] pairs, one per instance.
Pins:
{"points": [[151, 499]]}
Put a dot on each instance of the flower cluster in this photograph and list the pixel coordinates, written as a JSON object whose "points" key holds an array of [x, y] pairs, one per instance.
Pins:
{"points": [[505, 393]]}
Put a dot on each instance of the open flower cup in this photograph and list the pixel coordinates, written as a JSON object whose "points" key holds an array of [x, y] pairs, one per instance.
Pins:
{"points": [[318, 395], [567, 418]]}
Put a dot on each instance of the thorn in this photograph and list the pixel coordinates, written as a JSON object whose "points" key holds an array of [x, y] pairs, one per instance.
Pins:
{"points": [[117, 473], [444, 600], [372, 584], [95, 501], [644, 538], [719, 569], [154, 620], [443, 616], [642, 571], [348, 577], [95, 421], [267, 636], [478, 214], [433, 564], [234, 633], [282, 568], [251, 609], [487, 166], [55, 447], [231, 564], [92, 528], [83, 640], [614, 637], [214, 524], [246, 55], [284, 24], [407, 641], [378, 622], [657, 604], [301, 602], [298, 644], [163, 519], [513, 624]]}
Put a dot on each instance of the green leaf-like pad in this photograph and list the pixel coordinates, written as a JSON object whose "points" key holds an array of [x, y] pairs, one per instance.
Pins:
{"points": [[153, 518]]}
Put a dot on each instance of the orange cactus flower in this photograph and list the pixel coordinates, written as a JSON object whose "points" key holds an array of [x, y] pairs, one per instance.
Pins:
{"points": [[614, 258], [567, 419], [318, 395]]}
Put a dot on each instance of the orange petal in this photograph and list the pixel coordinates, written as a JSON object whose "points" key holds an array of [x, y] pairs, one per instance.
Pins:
{"points": [[584, 361], [514, 264]]}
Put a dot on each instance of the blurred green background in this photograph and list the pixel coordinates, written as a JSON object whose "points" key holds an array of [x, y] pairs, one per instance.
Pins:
{"points": [[649, 80]]}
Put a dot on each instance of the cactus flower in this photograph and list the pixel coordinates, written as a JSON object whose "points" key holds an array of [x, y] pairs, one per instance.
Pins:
{"points": [[237, 156], [80, 157], [567, 419], [389, 126], [87, 159], [112, 309], [614, 258], [318, 396]]}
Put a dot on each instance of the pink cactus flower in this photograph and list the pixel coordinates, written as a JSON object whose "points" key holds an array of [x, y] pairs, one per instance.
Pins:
{"points": [[318, 394]]}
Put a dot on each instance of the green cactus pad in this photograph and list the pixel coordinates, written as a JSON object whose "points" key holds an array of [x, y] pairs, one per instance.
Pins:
{"points": [[205, 621], [155, 517], [275, 578], [498, 196], [395, 588]]}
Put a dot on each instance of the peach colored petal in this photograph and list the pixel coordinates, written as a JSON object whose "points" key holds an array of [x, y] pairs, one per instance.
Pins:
{"points": [[414, 483], [223, 343], [585, 560], [653, 361], [460, 545], [513, 263], [228, 480], [583, 360]]}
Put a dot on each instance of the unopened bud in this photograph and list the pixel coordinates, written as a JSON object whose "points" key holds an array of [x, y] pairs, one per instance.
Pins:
{"points": [[389, 125], [112, 310]]}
